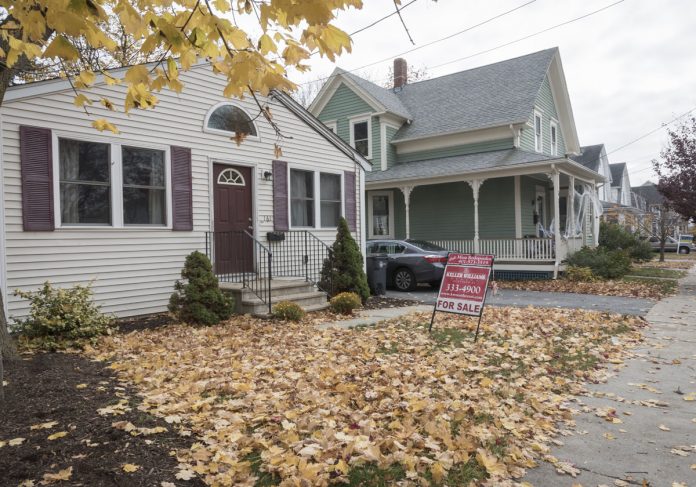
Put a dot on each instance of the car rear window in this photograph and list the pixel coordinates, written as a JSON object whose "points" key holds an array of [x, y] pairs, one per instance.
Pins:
{"points": [[427, 246]]}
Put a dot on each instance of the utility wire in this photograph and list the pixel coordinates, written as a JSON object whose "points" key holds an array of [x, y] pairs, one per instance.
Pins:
{"points": [[429, 43], [530, 35], [381, 19]]}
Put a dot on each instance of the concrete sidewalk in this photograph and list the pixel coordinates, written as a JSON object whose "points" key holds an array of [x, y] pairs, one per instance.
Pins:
{"points": [[511, 297], [656, 441], [373, 316]]}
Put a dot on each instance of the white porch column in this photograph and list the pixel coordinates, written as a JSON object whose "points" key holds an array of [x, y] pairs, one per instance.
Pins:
{"points": [[556, 179], [475, 187], [595, 226], [571, 206], [406, 190], [518, 208]]}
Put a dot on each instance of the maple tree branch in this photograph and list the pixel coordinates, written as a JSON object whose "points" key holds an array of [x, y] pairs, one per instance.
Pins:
{"points": [[398, 12]]}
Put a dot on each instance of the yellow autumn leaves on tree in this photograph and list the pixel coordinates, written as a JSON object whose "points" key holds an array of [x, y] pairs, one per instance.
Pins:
{"points": [[251, 43]]}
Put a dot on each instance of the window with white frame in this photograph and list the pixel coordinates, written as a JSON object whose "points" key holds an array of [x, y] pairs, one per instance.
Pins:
{"points": [[85, 182], [301, 198], [316, 198], [105, 184], [227, 118], [554, 138], [381, 214], [538, 136], [144, 187], [360, 136]]}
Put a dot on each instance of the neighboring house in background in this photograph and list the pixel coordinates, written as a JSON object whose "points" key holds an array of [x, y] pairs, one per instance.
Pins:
{"points": [[474, 161], [125, 209], [594, 157], [651, 201]]}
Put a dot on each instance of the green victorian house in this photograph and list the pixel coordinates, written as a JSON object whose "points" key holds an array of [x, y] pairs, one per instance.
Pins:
{"points": [[475, 161]]}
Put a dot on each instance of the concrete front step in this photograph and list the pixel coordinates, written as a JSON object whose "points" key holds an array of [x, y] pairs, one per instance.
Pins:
{"points": [[301, 292]]}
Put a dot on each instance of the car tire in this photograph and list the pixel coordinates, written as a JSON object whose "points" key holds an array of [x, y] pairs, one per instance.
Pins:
{"points": [[684, 250], [404, 279]]}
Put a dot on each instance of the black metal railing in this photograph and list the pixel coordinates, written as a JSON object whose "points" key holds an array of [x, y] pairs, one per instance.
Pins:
{"points": [[237, 256], [300, 253]]}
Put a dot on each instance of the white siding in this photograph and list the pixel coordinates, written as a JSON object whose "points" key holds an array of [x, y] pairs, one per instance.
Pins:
{"points": [[135, 269]]}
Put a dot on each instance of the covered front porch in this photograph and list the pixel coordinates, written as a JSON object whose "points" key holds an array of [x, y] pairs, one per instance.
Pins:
{"points": [[530, 217]]}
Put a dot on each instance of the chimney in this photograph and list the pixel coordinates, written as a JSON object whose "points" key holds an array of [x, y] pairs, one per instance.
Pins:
{"points": [[400, 72]]}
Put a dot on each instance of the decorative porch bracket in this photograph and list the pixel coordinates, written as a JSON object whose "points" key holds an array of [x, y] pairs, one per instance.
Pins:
{"points": [[406, 190], [475, 187]]}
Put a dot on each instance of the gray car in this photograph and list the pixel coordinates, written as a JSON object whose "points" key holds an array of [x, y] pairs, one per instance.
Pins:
{"points": [[671, 244], [410, 262]]}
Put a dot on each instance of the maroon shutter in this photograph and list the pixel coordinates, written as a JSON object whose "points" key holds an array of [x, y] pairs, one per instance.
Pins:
{"points": [[280, 196], [35, 154], [349, 191], [182, 190]]}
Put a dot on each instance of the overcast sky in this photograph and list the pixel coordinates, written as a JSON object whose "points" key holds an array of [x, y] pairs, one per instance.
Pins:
{"points": [[629, 68]]}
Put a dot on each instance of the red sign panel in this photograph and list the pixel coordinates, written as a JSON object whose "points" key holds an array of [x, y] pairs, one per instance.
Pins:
{"points": [[464, 284]]}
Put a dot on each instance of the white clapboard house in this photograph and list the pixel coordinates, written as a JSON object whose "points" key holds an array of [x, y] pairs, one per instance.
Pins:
{"points": [[125, 209]]}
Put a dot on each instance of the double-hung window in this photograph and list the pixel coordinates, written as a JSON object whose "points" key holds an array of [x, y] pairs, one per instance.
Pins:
{"points": [[104, 184], [538, 136], [85, 182], [308, 186], [554, 138], [360, 136]]}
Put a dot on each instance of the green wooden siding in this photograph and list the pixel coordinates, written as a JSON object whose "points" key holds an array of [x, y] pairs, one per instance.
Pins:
{"points": [[497, 208], [376, 144], [456, 150], [344, 104], [546, 104]]}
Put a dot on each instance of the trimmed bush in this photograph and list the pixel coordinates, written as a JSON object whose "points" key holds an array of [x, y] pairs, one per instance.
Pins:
{"points": [[345, 303], [347, 273], [608, 264], [288, 311], [197, 298], [615, 237], [61, 318], [579, 274]]}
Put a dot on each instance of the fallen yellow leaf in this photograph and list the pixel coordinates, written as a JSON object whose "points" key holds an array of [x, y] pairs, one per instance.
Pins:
{"points": [[130, 468], [43, 426], [81, 386], [664, 428], [64, 474], [16, 441], [57, 435]]}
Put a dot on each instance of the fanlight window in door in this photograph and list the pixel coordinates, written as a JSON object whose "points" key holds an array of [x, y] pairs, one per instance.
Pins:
{"points": [[230, 119], [231, 177]]}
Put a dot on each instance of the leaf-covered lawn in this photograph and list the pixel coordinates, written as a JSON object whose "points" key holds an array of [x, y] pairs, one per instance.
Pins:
{"points": [[275, 403], [629, 288], [657, 272]]}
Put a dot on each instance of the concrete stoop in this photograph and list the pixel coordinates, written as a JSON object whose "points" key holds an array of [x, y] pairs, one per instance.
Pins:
{"points": [[300, 292]]}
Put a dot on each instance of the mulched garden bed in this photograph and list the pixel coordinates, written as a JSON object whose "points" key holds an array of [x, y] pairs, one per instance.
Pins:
{"points": [[381, 302], [69, 389]]}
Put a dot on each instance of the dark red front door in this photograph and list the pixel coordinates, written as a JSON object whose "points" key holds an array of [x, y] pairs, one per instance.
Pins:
{"points": [[234, 251]]}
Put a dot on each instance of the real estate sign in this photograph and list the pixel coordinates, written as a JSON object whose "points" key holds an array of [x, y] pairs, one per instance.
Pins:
{"points": [[464, 284]]}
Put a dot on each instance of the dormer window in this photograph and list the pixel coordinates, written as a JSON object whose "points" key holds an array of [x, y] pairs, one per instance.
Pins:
{"points": [[538, 136], [229, 119], [361, 136], [554, 138]]}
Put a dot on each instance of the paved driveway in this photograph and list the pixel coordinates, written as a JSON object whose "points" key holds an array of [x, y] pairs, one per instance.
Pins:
{"points": [[511, 297]]}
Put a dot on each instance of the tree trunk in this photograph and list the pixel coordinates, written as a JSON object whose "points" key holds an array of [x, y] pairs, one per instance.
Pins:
{"points": [[7, 348]]}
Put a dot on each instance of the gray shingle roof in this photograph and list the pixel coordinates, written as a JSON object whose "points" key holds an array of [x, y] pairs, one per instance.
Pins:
{"points": [[649, 192], [589, 156], [450, 166], [487, 96], [384, 96], [617, 171]]}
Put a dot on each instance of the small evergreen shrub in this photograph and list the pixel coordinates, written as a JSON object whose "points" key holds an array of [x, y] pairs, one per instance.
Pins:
{"points": [[61, 318], [345, 303], [288, 311], [615, 237], [579, 274], [197, 297], [347, 273], [608, 264]]}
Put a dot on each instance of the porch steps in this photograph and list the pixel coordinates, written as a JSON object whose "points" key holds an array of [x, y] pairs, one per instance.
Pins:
{"points": [[298, 291]]}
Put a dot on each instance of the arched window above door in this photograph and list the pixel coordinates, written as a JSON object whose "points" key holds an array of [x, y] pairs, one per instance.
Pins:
{"points": [[226, 118], [231, 177]]}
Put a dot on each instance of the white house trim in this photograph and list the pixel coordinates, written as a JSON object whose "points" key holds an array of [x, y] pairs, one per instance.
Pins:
{"points": [[390, 200], [553, 128], [383, 144], [518, 207], [454, 138], [361, 208], [3, 242], [538, 141], [332, 125], [561, 98], [328, 90]]}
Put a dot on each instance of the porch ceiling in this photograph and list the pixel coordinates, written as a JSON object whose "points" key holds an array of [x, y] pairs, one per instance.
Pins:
{"points": [[471, 165]]}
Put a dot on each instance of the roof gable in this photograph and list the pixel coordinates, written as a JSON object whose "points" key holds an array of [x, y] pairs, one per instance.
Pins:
{"points": [[590, 157], [617, 173]]}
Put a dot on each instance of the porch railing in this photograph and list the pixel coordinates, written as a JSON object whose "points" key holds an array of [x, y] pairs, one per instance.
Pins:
{"points": [[237, 256], [506, 249]]}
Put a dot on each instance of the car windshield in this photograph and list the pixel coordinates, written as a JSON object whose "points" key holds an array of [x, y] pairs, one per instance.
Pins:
{"points": [[427, 246]]}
